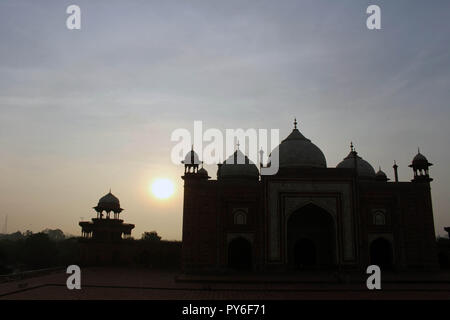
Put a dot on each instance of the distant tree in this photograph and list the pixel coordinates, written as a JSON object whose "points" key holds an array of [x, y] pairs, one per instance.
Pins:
{"points": [[28, 233], [55, 235], [15, 236], [68, 251], [151, 236], [39, 251]]}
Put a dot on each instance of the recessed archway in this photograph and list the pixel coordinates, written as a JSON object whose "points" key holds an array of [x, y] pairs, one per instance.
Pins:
{"points": [[304, 253], [311, 238], [240, 254], [381, 253]]}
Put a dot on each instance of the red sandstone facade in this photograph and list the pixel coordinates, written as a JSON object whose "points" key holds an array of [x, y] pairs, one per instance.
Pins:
{"points": [[307, 216]]}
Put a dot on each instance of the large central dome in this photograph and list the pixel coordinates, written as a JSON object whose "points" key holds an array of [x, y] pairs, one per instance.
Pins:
{"points": [[298, 151]]}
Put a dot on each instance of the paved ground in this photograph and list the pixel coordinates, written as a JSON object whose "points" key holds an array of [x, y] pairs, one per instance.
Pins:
{"points": [[135, 284]]}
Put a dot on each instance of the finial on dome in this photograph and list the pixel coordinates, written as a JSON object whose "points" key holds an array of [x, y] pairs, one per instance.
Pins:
{"points": [[352, 148], [418, 150], [237, 145], [261, 154], [109, 190], [295, 123]]}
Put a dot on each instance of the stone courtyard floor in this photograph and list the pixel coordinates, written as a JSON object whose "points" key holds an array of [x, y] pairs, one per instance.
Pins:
{"points": [[138, 283]]}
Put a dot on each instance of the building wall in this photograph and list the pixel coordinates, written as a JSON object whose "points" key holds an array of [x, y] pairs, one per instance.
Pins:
{"points": [[409, 222], [200, 214], [235, 198], [209, 207]]}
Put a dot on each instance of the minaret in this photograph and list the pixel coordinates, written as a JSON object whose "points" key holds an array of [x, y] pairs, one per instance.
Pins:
{"points": [[395, 166]]}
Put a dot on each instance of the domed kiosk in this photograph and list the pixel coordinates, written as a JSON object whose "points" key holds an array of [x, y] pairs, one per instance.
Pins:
{"points": [[191, 162], [421, 166], [108, 203], [103, 236], [106, 228]]}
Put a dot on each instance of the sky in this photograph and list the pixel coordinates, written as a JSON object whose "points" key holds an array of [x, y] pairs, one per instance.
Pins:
{"points": [[83, 111]]}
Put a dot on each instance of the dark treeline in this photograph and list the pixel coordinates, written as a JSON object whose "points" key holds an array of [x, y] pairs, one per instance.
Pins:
{"points": [[32, 251], [28, 251], [156, 253]]}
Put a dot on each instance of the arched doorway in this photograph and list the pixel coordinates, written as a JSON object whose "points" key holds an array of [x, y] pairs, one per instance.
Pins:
{"points": [[311, 238], [240, 254], [304, 253], [381, 253]]}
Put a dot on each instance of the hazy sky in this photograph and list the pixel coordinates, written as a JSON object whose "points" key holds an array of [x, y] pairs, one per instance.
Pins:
{"points": [[84, 111]]}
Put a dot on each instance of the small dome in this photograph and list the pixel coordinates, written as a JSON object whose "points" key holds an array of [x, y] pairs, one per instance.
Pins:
{"points": [[238, 166], [109, 199], [420, 159], [363, 168], [191, 158], [202, 171], [108, 203], [298, 151], [380, 175], [420, 162]]}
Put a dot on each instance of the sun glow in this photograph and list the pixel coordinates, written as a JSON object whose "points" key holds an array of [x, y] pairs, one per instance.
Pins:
{"points": [[162, 188]]}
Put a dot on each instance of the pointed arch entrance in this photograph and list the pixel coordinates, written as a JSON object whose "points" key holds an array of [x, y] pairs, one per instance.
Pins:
{"points": [[381, 253], [240, 254], [311, 238]]}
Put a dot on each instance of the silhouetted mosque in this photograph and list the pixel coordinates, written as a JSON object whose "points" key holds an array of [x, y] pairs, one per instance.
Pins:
{"points": [[308, 215], [101, 243]]}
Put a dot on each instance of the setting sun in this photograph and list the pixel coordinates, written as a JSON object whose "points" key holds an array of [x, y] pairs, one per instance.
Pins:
{"points": [[162, 188]]}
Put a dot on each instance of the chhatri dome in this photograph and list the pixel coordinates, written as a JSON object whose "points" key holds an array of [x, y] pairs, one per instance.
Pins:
{"points": [[298, 151], [420, 160], [363, 168], [108, 203], [191, 158], [191, 162], [421, 166]]}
